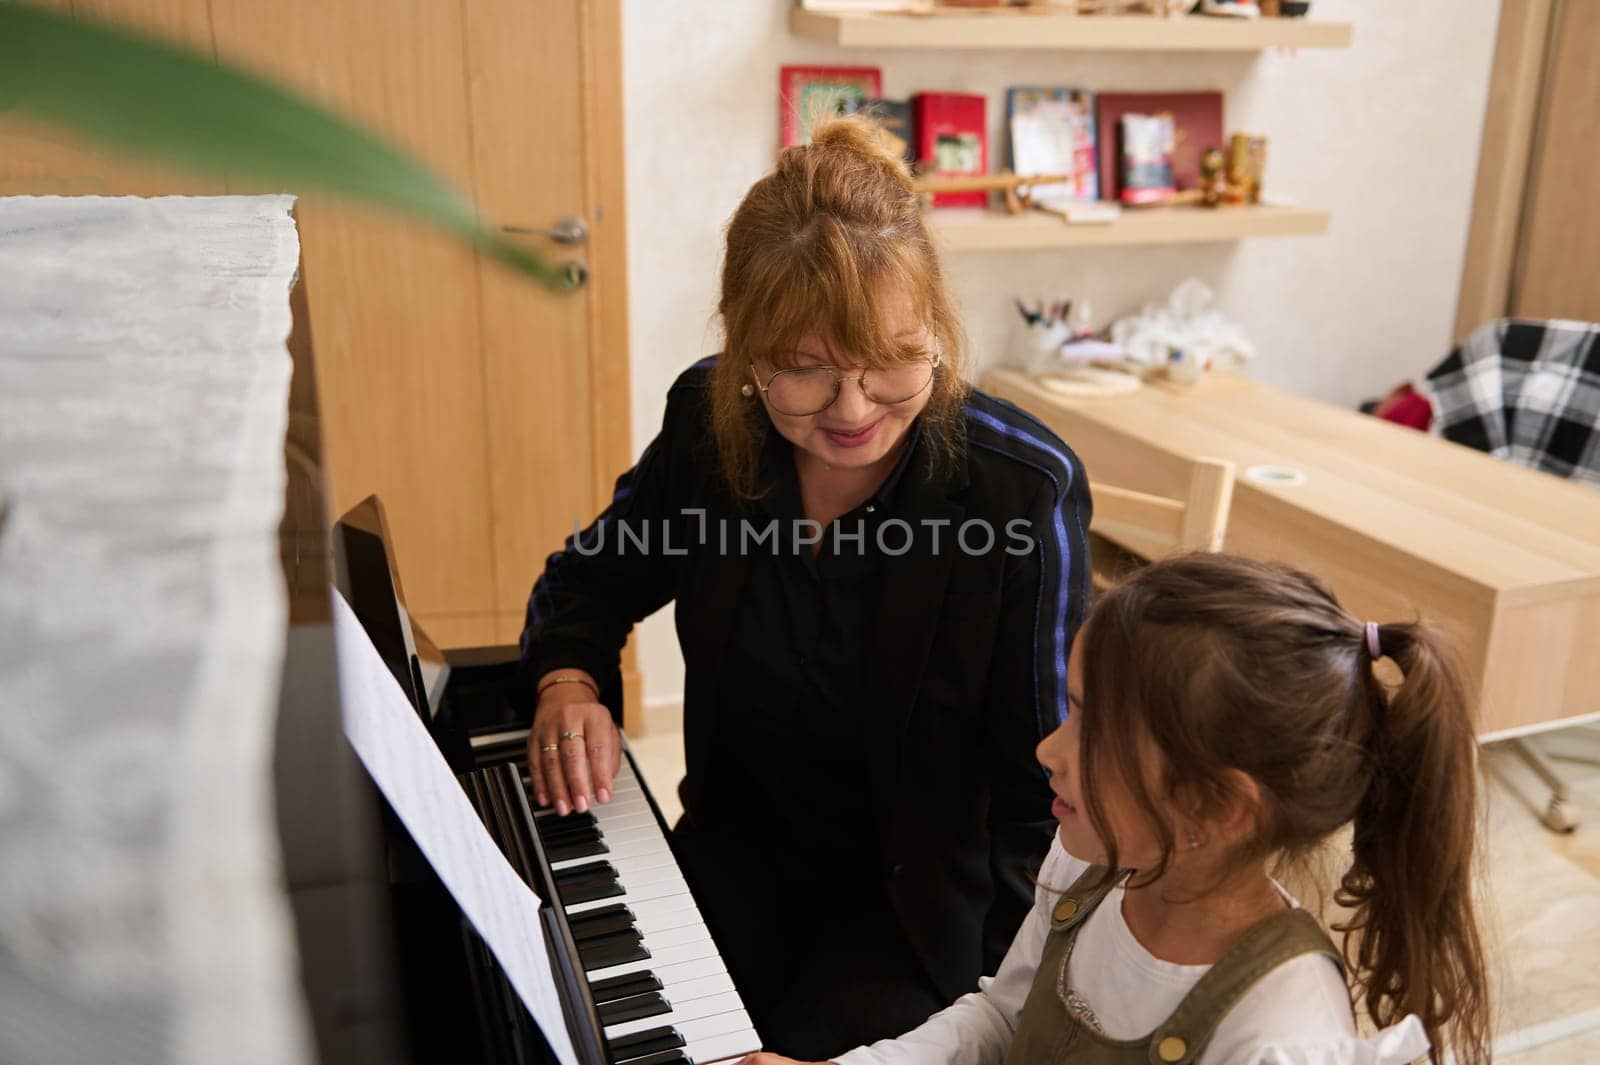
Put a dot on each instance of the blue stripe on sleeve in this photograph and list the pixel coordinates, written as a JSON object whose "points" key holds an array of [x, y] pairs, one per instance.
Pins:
{"points": [[1056, 466]]}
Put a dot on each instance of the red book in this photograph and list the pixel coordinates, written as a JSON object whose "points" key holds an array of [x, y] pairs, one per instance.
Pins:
{"points": [[807, 93], [953, 140], [1197, 125]]}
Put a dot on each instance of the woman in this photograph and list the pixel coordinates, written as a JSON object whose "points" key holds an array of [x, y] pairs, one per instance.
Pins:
{"points": [[877, 572]]}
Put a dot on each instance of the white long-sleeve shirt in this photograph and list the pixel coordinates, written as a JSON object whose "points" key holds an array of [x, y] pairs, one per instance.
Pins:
{"points": [[1298, 1015]]}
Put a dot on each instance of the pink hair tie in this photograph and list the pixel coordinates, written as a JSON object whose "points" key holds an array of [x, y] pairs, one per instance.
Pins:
{"points": [[1373, 647]]}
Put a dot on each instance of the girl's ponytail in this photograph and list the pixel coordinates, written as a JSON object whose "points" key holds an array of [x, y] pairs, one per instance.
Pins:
{"points": [[1416, 946]]}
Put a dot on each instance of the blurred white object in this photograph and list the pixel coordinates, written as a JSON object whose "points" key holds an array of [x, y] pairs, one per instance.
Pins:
{"points": [[1039, 348], [1186, 336], [1091, 212]]}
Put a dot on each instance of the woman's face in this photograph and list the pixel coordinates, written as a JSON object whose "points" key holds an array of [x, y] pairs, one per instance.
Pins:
{"points": [[854, 432], [1137, 845]]}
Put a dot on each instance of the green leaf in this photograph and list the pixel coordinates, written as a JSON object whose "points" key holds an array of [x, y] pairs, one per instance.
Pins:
{"points": [[131, 93]]}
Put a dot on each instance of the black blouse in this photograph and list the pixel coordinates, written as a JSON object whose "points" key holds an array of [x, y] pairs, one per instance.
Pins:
{"points": [[794, 686]]}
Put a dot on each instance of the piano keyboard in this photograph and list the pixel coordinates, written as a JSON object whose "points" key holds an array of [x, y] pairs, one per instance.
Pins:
{"points": [[661, 991]]}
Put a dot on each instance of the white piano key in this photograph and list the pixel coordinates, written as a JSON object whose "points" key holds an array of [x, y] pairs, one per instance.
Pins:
{"points": [[687, 970], [731, 1019], [626, 819], [612, 854], [619, 838], [646, 848], [656, 909], [723, 1047], [643, 868], [661, 938], [661, 891], [650, 890], [706, 1016], [659, 961], [704, 948], [669, 922], [686, 991]]}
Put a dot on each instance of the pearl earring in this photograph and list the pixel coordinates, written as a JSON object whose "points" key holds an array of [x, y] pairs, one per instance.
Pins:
{"points": [[1194, 842], [748, 390]]}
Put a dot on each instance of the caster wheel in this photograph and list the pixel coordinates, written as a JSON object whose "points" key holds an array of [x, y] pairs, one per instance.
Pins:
{"points": [[1560, 816]]}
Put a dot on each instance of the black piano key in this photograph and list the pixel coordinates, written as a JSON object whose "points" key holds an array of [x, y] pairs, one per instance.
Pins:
{"points": [[649, 1041], [549, 823], [617, 948], [632, 1009], [589, 891], [625, 986], [567, 833], [665, 1057], [568, 851], [600, 921], [584, 872]]}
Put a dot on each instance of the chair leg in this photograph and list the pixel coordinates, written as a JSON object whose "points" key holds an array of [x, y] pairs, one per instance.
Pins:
{"points": [[1560, 815]]}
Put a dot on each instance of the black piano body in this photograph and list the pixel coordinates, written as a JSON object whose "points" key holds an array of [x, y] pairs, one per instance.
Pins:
{"points": [[391, 969]]}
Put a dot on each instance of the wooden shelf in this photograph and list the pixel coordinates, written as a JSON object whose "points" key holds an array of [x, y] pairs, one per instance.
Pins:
{"points": [[971, 229], [1066, 32]]}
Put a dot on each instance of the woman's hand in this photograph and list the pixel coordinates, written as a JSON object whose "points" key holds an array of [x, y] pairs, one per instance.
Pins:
{"points": [[763, 1058], [574, 749]]}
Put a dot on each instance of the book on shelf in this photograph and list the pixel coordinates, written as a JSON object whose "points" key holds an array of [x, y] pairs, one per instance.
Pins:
{"points": [[1196, 126], [807, 93], [953, 141], [865, 6], [1052, 131], [894, 116], [1146, 170]]}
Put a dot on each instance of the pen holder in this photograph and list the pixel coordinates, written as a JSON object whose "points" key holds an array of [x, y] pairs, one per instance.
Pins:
{"points": [[1040, 346]]}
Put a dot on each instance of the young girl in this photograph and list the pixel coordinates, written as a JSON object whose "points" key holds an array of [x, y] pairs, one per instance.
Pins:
{"points": [[1225, 714]]}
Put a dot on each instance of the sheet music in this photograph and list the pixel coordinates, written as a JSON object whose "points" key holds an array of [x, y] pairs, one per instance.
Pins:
{"points": [[402, 758]]}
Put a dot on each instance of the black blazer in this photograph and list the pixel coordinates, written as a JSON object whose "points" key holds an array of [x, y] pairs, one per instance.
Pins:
{"points": [[970, 650]]}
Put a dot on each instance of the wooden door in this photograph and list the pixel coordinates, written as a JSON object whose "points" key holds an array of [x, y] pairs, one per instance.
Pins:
{"points": [[486, 413], [465, 396]]}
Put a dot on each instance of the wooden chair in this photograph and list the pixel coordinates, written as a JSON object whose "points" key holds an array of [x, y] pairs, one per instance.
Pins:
{"points": [[1132, 527]]}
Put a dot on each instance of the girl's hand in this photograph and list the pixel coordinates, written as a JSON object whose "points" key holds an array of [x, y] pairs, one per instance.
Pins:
{"points": [[763, 1058], [574, 749]]}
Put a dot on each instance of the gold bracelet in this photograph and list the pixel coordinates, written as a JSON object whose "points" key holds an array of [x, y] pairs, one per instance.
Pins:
{"points": [[550, 682]]}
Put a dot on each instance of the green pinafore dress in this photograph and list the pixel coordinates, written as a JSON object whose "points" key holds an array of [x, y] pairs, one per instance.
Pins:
{"points": [[1056, 1028]]}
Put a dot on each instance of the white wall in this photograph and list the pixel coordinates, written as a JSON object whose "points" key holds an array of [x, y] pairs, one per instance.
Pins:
{"points": [[1385, 134]]}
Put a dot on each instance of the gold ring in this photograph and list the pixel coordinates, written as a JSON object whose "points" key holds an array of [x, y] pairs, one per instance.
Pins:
{"points": [[549, 746], [572, 735]]}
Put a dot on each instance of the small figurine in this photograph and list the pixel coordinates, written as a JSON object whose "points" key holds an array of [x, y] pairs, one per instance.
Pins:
{"points": [[1247, 161], [1213, 177]]}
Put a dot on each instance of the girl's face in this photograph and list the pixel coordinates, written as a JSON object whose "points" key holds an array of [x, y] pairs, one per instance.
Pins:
{"points": [[1137, 845], [855, 431]]}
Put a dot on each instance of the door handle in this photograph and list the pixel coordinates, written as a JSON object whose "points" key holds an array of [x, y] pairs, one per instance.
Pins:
{"points": [[571, 230]]}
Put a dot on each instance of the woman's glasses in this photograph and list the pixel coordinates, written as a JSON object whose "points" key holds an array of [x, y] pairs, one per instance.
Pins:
{"points": [[813, 389]]}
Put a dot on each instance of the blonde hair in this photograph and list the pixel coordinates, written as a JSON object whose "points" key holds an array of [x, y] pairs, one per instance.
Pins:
{"points": [[818, 247]]}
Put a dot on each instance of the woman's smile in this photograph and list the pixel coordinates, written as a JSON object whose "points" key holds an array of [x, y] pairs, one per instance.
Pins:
{"points": [[854, 437]]}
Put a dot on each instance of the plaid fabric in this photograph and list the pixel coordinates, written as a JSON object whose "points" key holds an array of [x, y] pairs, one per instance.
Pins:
{"points": [[1527, 391]]}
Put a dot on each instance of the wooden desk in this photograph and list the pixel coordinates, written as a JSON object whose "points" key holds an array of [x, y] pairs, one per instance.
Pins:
{"points": [[1504, 559]]}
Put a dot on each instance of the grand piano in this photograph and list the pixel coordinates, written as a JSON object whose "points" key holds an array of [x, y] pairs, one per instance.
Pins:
{"points": [[391, 969]]}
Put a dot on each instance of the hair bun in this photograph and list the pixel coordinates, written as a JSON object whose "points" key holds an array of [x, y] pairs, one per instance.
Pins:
{"points": [[862, 136]]}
